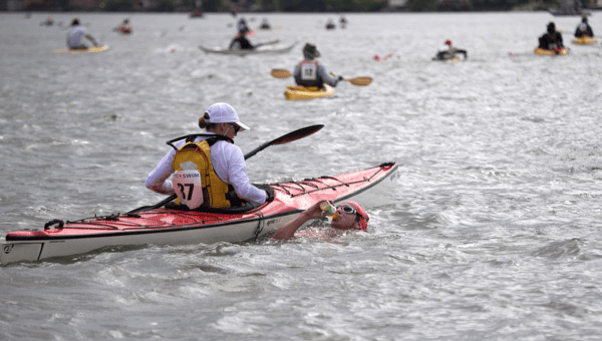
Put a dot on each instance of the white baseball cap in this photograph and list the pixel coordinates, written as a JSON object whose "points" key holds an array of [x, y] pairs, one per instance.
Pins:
{"points": [[224, 113]]}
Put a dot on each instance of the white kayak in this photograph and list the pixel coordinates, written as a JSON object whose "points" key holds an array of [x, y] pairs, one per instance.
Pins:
{"points": [[266, 49]]}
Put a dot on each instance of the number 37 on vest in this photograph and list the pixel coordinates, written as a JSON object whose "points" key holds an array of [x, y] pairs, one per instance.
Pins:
{"points": [[188, 187]]}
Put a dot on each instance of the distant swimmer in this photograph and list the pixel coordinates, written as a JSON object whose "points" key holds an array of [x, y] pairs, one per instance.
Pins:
{"points": [[125, 27], [311, 73], [74, 37], [583, 29], [552, 40], [450, 52]]}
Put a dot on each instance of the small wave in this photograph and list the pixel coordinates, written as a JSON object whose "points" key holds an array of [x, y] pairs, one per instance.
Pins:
{"points": [[567, 248]]}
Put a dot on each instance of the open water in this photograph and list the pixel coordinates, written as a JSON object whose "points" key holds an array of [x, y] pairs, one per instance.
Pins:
{"points": [[494, 233]]}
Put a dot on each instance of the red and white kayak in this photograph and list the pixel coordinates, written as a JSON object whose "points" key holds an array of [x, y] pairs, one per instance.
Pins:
{"points": [[171, 226]]}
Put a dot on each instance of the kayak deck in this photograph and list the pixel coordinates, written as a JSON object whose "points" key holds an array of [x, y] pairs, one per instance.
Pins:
{"points": [[163, 226], [268, 49], [543, 52], [89, 50], [585, 40], [296, 92]]}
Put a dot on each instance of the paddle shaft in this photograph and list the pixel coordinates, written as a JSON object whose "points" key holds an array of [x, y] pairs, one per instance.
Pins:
{"points": [[267, 43], [359, 81], [290, 137]]}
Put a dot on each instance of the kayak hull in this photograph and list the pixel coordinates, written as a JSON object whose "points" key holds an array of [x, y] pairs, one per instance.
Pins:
{"points": [[370, 187], [585, 41], [296, 93], [542, 52], [268, 49], [90, 50]]}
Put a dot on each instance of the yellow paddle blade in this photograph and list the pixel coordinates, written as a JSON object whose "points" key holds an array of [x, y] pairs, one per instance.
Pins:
{"points": [[360, 81], [280, 73]]}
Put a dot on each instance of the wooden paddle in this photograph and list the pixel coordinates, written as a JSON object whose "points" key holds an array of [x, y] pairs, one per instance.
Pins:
{"points": [[290, 137], [359, 81], [280, 73]]}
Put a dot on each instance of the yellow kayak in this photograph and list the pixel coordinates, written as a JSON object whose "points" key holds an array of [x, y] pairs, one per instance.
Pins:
{"points": [[90, 50], [294, 93], [542, 52], [585, 40]]}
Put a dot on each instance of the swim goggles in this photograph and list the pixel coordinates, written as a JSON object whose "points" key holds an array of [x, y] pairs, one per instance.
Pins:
{"points": [[348, 209]]}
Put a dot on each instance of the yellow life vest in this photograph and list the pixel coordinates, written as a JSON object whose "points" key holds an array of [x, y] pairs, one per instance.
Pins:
{"points": [[199, 154]]}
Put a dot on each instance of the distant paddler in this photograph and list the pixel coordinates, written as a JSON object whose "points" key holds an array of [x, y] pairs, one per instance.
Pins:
{"points": [[449, 52], [309, 72], [242, 27], [48, 22], [330, 24], [265, 25], [242, 43], [583, 29], [124, 28], [551, 40], [75, 34]]}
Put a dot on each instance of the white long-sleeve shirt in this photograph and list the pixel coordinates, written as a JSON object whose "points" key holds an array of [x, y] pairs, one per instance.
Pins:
{"points": [[228, 162]]}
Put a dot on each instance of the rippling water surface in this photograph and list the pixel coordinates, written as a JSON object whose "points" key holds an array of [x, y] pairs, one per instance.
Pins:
{"points": [[494, 233]]}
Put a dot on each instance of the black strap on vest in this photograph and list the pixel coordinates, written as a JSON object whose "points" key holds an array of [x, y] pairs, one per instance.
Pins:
{"points": [[211, 139]]}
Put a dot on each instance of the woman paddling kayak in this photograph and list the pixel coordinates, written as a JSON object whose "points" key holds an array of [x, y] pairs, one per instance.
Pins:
{"points": [[207, 164]]}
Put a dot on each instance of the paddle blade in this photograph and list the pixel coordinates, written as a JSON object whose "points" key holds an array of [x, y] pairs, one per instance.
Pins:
{"points": [[292, 136], [297, 134], [360, 81], [280, 73]]}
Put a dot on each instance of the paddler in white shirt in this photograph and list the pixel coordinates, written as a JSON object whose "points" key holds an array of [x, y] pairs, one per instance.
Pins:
{"points": [[219, 162], [75, 35], [309, 72], [349, 216]]}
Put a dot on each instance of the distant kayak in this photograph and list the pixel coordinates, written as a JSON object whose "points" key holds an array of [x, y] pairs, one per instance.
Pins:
{"points": [[542, 52], [585, 40], [90, 50], [449, 60], [268, 49], [294, 93]]}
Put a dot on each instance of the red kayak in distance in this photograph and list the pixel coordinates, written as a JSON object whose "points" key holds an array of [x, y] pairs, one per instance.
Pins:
{"points": [[172, 225]]}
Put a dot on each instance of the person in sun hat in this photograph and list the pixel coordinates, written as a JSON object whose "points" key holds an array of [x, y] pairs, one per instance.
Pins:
{"points": [[309, 72], [349, 216], [583, 29], [220, 164], [552, 39], [449, 52]]}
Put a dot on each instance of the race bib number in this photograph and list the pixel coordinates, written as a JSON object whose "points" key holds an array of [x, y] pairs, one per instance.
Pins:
{"points": [[188, 187], [309, 72]]}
